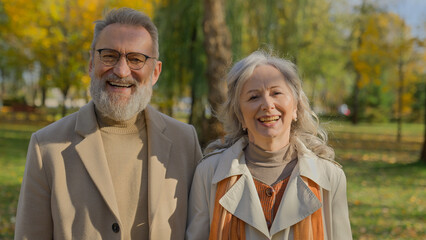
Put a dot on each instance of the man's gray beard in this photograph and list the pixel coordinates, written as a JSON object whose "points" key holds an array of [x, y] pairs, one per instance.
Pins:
{"points": [[112, 105]]}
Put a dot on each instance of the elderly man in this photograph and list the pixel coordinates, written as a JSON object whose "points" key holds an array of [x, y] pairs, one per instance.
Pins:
{"points": [[117, 168]]}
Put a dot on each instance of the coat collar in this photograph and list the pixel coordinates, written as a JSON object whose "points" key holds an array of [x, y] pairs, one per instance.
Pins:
{"points": [[86, 120], [231, 164], [92, 154], [311, 166], [242, 199]]}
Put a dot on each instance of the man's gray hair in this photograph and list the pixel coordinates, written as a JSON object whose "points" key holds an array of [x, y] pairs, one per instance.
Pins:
{"points": [[131, 17]]}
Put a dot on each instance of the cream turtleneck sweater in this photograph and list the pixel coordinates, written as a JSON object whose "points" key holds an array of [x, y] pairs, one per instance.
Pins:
{"points": [[270, 167], [126, 150]]}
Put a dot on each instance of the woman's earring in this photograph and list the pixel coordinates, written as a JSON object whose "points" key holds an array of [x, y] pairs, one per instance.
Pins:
{"points": [[244, 129]]}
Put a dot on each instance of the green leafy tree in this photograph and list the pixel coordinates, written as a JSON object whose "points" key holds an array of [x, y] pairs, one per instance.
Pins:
{"points": [[180, 31], [307, 32]]}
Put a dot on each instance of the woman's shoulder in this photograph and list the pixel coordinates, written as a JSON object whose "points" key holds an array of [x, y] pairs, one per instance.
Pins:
{"points": [[225, 153], [208, 166], [330, 164], [333, 171], [211, 159]]}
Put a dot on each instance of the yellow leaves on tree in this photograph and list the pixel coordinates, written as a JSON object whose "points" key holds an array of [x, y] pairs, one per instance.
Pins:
{"points": [[378, 51], [145, 6], [58, 33], [386, 56]]}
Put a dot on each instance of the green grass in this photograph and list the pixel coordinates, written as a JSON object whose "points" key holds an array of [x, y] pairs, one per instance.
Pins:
{"points": [[385, 183], [14, 139], [387, 201], [13, 144]]}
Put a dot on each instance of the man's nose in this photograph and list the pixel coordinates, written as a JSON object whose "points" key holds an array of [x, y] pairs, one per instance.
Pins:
{"points": [[121, 69]]}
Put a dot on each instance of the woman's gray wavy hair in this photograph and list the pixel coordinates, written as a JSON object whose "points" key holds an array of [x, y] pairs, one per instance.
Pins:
{"points": [[306, 128], [131, 17]]}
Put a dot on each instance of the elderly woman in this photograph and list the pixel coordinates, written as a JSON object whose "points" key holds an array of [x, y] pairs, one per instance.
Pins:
{"points": [[273, 176]]}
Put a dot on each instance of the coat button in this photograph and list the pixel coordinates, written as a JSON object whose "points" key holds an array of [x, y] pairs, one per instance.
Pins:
{"points": [[115, 227], [269, 192]]}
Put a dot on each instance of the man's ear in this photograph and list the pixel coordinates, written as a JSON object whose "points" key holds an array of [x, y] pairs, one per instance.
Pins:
{"points": [[91, 62], [156, 72]]}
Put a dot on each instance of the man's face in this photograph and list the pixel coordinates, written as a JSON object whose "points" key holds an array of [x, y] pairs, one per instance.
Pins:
{"points": [[118, 91]]}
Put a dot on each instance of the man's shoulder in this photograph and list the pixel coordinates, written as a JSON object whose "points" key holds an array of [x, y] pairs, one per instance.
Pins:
{"points": [[169, 121], [60, 124], [58, 130]]}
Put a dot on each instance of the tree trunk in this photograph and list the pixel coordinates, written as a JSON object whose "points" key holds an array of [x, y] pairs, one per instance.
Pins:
{"points": [[400, 91], [217, 43], [423, 154], [2, 87], [43, 96], [355, 104], [64, 108]]}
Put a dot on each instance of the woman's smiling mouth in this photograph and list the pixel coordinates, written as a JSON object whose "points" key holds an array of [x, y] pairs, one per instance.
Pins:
{"points": [[269, 119]]}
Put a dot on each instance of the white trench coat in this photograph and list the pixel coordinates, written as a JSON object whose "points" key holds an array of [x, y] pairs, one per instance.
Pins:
{"points": [[242, 199]]}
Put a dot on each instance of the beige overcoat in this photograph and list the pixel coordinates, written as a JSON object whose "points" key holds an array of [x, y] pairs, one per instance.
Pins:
{"points": [[242, 199], [67, 191]]}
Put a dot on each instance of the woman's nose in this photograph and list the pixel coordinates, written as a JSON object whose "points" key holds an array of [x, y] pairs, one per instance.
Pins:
{"points": [[268, 103]]}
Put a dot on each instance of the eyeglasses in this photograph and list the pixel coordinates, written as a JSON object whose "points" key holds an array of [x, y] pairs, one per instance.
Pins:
{"points": [[134, 60]]}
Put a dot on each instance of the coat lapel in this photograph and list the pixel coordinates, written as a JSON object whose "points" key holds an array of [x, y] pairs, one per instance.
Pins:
{"points": [[297, 203], [298, 200], [159, 147], [92, 154], [241, 200]]}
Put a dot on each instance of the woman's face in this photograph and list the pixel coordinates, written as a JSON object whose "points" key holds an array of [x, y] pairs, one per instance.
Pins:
{"points": [[268, 108]]}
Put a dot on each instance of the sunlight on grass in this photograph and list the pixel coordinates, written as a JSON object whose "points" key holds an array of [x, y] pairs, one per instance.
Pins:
{"points": [[386, 201], [385, 183], [411, 129], [14, 139]]}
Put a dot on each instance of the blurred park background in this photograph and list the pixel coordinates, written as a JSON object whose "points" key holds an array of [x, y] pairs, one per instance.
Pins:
{"points": [[363, 64]]}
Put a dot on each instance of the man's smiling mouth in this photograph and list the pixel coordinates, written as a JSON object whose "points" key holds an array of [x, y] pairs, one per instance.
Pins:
{"points": [[120, 85]]}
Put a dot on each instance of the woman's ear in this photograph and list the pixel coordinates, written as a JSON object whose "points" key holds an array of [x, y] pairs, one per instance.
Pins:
{"points": [[243, 125], [295, 114]]}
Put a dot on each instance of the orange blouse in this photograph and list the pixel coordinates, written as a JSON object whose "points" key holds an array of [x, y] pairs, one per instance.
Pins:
{"points": [[270, 197]]}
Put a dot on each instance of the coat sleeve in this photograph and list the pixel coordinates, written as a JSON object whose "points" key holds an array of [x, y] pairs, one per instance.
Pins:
{"points": [[198, 225], [197, 150], [340, 220], [34, 219]]}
